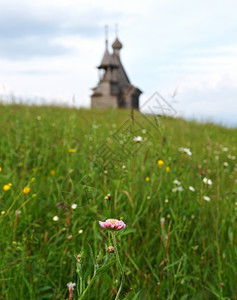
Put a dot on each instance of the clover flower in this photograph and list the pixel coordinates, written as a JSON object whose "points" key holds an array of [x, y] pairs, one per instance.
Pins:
{"points": [[112, 224]]}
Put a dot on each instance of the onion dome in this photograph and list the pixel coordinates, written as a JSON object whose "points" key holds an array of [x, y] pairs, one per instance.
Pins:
{"points": [[117, 44]]}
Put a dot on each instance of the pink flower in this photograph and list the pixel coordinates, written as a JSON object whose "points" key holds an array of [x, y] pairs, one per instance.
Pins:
{"points": [[112, 224]]}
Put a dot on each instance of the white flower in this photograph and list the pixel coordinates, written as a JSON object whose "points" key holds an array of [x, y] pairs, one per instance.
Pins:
{"points": [[206, 198], [185, 150], [80, 231], [144, 131], [38, 118], [176, 182], [71, 286], [166, 200], [225, 164], [207, 181], [55, 218], [137, 139], [191, 188], [225, 149], [177, 189], [74, 206]]}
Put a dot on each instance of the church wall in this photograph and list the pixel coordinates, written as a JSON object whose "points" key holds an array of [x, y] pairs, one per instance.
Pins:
{"points": [[104, 101]]}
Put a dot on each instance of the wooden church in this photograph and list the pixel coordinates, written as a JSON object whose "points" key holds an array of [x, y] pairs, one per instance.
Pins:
{"points": [[114, 88]]}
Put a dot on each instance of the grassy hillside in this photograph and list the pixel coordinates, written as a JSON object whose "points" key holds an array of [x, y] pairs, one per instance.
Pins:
{"points": [[180, 238]]}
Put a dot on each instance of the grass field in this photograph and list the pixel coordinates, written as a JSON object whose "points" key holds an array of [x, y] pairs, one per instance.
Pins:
{"points": [[180, 238]]}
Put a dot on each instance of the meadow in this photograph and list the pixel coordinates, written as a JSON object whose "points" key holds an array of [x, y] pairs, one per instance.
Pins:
{"points": [[172, 182]]}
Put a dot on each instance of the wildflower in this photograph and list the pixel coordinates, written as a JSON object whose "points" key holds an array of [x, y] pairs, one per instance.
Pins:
{"points": [[3, 212], [167, 169], [160, 163], [162, 222], [112, 224], [185, 150], [26, 190], [206, 198], [111, 249], [177, 189], [144, 131], [6, 187], [137, 139], [191, 188], [107, 197], [176, 182], [55, 218], [207, 181], [80, 231], [105, 171], [71, 150], [0, 169], [166, 200], [69, 237], [71, 289], [147, 178], [148, 197], [78, 256], [225, 164], [38, 118], [225, 149], [52, 172], [74, 206], [123, 167]]}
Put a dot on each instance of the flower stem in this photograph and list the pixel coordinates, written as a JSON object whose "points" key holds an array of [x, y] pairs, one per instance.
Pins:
{"points": [[87, 288], [120, 265]]}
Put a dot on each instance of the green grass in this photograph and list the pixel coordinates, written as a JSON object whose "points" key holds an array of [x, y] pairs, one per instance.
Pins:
{"points": [[193, 257]]}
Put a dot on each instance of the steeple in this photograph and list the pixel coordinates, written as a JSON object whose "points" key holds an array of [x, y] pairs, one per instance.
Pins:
{"points": [[107, 60], [117, 45]]}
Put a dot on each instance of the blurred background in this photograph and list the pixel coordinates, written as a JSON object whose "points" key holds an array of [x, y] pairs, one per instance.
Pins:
{"points": [[185, 50]]}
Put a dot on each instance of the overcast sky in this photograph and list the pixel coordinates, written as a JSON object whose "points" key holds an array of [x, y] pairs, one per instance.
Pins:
{"points": [[186, 49]]}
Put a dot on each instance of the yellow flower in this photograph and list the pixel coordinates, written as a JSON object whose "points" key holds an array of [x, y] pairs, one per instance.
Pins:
{"points": [[52, 172], [71, 150], [147, 178], [26, 190], [6, 187], [167, 169], [0, 169], [160, 163]]}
